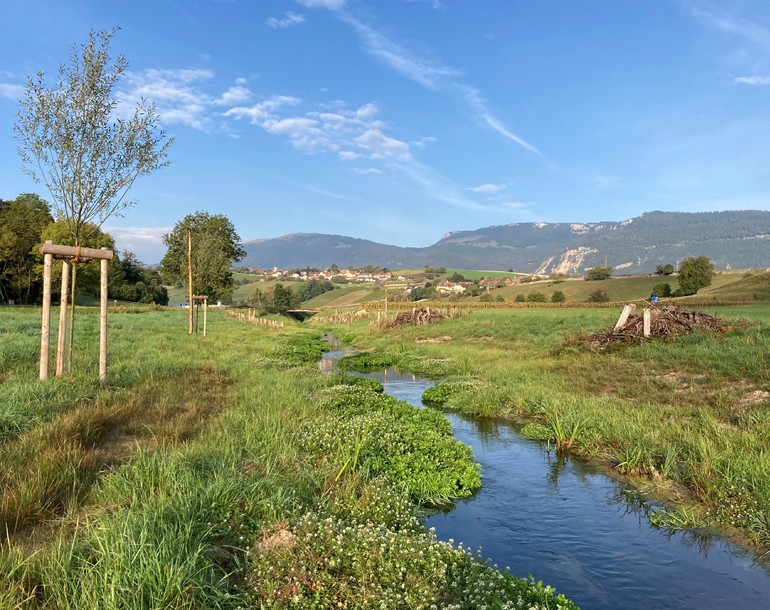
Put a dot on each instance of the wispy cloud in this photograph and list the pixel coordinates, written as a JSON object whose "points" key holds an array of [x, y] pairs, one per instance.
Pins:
{"points": [[288, 20], [11, 91], [352, 134], [333, 5], [488, 188], [430, 74], [179, 95], [752, 80], [137, 237], [727, 23], [366, 171], [436, 4]]}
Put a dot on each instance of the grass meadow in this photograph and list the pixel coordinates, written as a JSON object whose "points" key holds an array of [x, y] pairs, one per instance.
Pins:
{"points": [[687, 419], [225, 472]]}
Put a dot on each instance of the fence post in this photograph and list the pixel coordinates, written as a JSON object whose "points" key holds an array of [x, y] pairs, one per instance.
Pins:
{"points": [[45, 331], [61, 343], [103, 321]]}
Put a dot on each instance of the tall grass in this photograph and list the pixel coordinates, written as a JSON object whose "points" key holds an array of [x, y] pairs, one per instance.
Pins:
{"points": [[691, 412], [166, 487]]}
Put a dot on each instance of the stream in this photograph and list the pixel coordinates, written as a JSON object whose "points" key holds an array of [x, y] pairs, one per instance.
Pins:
{"points": [[579, 530]]}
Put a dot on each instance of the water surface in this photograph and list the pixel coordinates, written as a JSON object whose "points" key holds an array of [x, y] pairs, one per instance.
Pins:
{"points": [[581, 531]]}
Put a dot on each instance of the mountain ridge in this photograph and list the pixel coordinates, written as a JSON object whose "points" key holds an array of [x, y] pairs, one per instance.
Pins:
{"points": [[731, 239]]}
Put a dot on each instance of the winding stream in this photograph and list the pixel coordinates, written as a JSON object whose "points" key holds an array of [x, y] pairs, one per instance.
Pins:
{"points": [[579, 530]]}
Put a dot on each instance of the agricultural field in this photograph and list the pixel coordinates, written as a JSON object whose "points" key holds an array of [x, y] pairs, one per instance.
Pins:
{"points": [[225, 472]]}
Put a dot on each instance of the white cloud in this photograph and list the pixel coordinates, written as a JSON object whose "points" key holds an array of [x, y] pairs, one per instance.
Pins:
{"points": [[176, 92], [752, 80], [288, 20], [431, 75], [130, 238], [258, 113], [381, 146], [11, 91], [234, 95], [365, 171], [333, 5], [353, 134], [488, 188]]}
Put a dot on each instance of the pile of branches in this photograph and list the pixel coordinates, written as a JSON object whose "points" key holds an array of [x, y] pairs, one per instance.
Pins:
{"points": [[665, 322], [421, 315]]}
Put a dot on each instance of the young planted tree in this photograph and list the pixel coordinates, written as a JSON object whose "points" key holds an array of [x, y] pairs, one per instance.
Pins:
{"points": [[86, 148]]}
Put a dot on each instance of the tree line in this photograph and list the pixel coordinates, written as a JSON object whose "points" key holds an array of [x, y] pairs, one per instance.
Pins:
{"points": [[26, 223]]}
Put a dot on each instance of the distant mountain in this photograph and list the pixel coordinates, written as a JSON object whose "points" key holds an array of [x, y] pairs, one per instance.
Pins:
{"points": [[733, 239]]}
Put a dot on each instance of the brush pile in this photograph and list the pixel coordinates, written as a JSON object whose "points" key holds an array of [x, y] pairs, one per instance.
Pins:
{"points": [[418, 315], [665, 322]]}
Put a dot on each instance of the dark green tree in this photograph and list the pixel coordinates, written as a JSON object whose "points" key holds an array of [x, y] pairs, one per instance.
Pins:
{"points": [[558, 297], [695, 272], [600, 272], [661, 290], [599, 296], [132, 281], [88, 272], [313, 288], [664, 269], [283, 298], [215, 248], [22, 221]]}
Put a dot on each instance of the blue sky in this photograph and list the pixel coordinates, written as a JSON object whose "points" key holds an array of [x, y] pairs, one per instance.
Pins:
{"points": [[400, 120]]}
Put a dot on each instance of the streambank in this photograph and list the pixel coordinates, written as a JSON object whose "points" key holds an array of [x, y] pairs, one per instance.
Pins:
{"points": [[583, 532]]}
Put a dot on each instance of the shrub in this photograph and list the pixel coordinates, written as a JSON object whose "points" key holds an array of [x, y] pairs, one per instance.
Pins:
{"points": [[598, 296], [520, 298], [661, 290], [600, 272], [536, 297], [558, 297]]}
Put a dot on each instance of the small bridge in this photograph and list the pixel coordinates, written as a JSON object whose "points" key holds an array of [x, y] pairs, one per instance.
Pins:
{"points": [[301, 314]]}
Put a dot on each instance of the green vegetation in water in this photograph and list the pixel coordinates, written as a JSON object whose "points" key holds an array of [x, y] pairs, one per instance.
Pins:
{"points": [[688, 417], [224, 472]]}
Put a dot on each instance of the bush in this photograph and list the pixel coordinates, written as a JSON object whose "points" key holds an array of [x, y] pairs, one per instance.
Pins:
{"points": [[600, 272], [536, 297], [558, 297], [695, 273], [520, 298], [661, 290], [598, 296]]}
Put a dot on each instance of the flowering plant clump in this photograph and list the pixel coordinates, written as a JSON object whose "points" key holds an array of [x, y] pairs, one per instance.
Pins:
{"points": [[412, 448], [327, 562], [439, 394]]}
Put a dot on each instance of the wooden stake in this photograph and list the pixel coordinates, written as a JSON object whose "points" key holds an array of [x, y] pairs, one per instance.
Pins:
{"points": [[647, 322], [205, 311], [45, 332], [189, 280], [627, 311], [103, 322], [62, 338]]}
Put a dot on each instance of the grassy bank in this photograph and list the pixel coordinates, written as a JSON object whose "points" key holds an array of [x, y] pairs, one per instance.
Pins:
{"points": [[224, 472], [687, 419]]}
